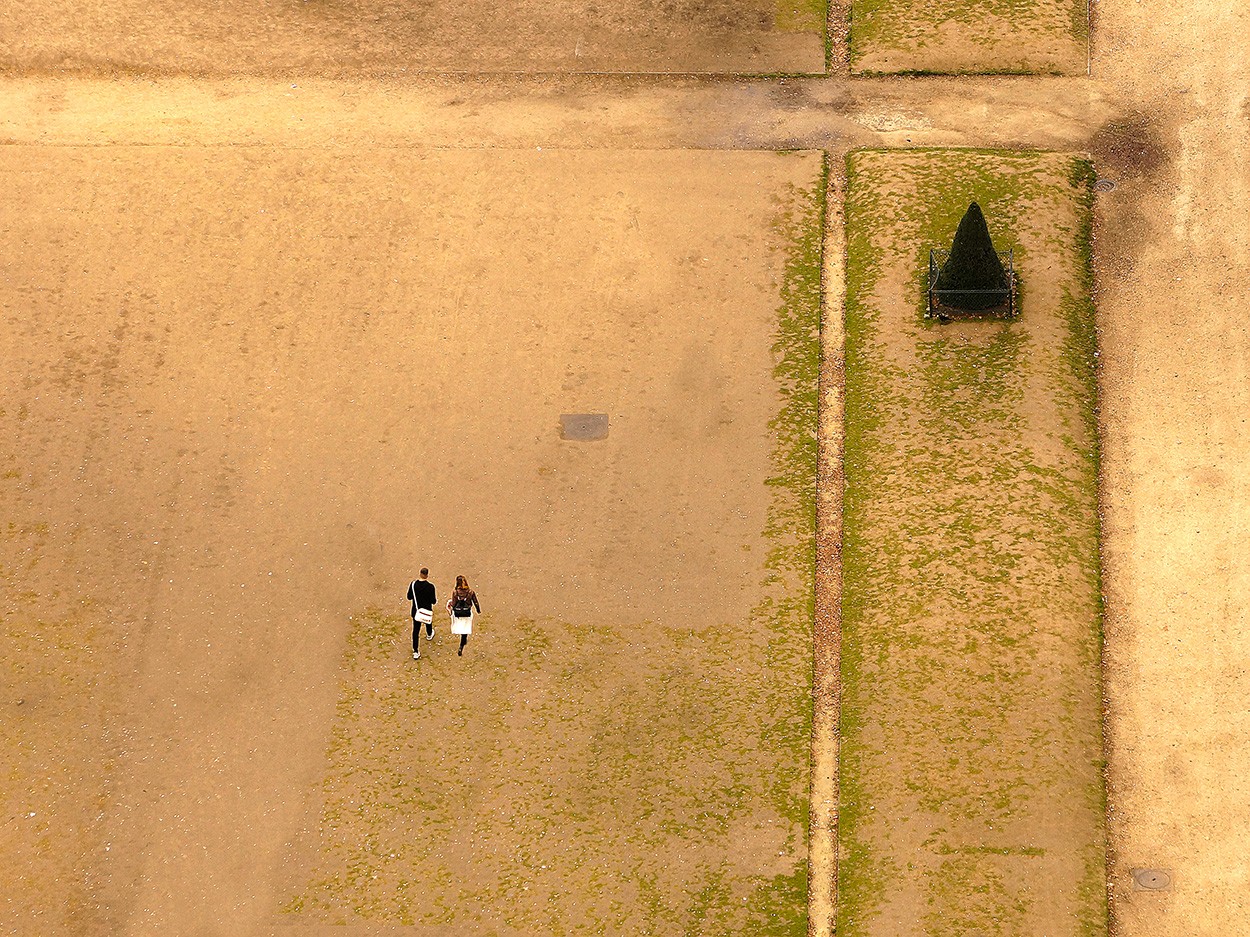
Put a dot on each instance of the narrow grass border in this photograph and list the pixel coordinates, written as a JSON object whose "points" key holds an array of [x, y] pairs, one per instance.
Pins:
{"points": [[793, 531]]}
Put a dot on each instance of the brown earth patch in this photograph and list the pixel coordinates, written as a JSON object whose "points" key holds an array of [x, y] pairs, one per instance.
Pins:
{"points": [[558, 778], [251, 389], [59, 693], [1129, 146], [329, 38]]}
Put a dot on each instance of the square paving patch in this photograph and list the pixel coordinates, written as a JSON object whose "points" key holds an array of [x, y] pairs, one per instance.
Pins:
{"points": [[583, 427]]}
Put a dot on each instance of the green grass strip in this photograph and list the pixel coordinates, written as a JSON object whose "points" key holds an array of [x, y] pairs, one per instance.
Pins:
{"points": [[954, 37], [971, 783]]}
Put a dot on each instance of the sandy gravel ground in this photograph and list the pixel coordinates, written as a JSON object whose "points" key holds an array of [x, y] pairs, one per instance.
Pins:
{"points": [[822, 880], [393, 37], [563, 112], [1174, 248]]}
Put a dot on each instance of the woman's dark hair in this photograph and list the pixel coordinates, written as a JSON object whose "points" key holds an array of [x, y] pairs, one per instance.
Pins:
{"points": [[462, 583]]}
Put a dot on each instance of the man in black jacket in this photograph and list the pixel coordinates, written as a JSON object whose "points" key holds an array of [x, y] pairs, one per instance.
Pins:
{"points": [[421, 595]]}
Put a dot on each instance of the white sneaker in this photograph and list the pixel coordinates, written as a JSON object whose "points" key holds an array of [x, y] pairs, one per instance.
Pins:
{"points": [[416, 655], [429, 635]]}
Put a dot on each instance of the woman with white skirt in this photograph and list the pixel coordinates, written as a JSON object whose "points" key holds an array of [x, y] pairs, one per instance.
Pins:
{"points": [[461, 605]]}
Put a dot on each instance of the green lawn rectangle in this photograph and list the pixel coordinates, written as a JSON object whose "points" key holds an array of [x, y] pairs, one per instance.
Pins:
{"points": [[971, 784], [958, 37]]}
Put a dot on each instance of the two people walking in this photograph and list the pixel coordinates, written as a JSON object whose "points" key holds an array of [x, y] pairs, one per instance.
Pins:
{"points": [[422, 595], [461, 605]]}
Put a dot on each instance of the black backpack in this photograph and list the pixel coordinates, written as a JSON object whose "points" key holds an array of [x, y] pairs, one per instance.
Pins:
{"points": [[462, 604]]}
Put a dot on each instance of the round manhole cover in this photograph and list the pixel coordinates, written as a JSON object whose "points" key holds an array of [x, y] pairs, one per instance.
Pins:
{"points": [[1152, 879], [583, 427], [1104, 185]]}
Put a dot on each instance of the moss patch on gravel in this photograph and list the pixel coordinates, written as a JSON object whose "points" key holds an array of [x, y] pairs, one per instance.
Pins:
{"points": [[998, 37], [802, 16]]}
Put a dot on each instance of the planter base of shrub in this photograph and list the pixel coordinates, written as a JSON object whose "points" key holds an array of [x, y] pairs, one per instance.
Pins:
{"points": [[939, 307]]}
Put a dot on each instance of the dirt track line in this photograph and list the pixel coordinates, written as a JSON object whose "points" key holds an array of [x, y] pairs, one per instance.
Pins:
{"points": [[823, 863], [574, 112]]}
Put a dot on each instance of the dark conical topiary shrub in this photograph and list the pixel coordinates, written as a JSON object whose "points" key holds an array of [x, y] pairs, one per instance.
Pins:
{"points": [[973, 264]]}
